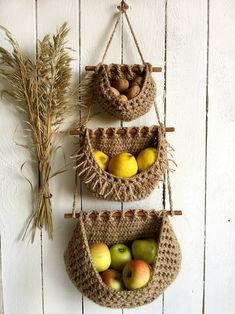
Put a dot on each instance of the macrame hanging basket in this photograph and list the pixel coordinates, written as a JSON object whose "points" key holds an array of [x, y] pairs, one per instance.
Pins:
{"points": [[111, 230], [113, 141], [129, 109], [105, 75]]}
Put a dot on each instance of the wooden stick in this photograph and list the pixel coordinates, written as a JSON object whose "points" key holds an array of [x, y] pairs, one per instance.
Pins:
{"points": [[121, 131], [135, 69], [127, 214]]}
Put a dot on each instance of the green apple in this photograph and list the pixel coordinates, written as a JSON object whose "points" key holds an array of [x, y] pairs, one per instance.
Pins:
{"points": [[120, 255], [136, 274], [100, 255], [113, 279], [144, 249]]}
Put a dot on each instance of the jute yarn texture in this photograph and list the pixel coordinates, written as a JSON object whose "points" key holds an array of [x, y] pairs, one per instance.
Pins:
{"points": [[123, 110], [113, 230], [103, 184]]}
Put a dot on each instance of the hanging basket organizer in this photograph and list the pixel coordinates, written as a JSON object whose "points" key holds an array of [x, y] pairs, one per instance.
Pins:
{"points": [[113, 141], [93, 227], [122, 226], [104, 75]]}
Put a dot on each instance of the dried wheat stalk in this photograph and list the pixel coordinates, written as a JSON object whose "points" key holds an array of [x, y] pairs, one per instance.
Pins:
{"points": [[41, 89]]}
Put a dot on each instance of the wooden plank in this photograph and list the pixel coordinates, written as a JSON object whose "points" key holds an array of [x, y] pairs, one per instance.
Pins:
{"points": [[97, 21], [220, 214], [60, 295], [151, 38], [21, 261], [186, 104]]}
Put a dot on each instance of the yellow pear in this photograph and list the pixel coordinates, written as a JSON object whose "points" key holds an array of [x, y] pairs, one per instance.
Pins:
{"points": [[101, 158], [123, 165], [146, 158]]}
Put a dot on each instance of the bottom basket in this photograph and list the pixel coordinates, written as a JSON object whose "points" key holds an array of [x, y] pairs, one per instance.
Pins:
{"points": [[105, 227]]}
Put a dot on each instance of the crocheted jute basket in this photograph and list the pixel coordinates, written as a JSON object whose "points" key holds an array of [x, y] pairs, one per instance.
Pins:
{"points": [[113, 141], [129, 109], [111, 230], [98, 85]]}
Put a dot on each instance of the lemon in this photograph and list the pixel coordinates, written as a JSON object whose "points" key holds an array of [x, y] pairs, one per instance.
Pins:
{"points": [[101, 158], [146, 158], [123, 165]]}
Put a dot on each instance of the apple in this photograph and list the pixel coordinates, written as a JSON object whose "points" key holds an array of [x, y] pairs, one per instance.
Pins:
{"points": [[145, 249], [101, 257], [120, 255], [136, 274], [113, 279]]}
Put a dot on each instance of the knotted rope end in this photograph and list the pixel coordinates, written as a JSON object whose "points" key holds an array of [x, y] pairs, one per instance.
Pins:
{"points": [[123, 6]]}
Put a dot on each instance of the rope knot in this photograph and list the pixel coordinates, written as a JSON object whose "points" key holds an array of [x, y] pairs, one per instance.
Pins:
{"points": [[123, 6]]}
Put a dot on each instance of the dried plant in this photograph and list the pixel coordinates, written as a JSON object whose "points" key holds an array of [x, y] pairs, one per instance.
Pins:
{"points": [[41, 89]]}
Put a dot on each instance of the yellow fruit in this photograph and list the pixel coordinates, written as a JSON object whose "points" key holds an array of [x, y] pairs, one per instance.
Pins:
{"points": [[146, 158], [100, 255], [123, 165], [101, 158]]}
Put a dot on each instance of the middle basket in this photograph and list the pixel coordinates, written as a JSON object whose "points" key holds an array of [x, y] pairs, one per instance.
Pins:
{"points": [[113, 141]]}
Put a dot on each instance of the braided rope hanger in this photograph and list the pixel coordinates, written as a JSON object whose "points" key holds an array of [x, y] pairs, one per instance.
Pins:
{"points": [[123, 7]]}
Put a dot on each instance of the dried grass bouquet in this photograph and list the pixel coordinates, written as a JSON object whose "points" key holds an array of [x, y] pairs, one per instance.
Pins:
{"points": [[41, 91]]}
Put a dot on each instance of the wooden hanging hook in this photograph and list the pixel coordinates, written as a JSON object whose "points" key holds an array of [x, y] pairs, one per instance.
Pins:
{"points": [[123, 6]]}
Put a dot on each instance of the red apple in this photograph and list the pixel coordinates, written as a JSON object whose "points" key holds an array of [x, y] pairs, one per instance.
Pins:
{"points": [[136, 274], [101, 257], [113, 279], [120, 255]]}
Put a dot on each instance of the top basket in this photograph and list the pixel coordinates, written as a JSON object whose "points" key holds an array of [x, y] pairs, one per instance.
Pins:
{"points": [[128, 109], [124, 102]]}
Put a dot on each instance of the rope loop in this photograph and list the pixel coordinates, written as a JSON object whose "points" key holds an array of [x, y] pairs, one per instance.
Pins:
{"points": [[122, 12]]}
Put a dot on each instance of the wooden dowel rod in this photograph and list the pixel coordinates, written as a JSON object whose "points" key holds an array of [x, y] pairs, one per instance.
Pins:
{"points": [[127, 214], [135, 69], [121, 131]]}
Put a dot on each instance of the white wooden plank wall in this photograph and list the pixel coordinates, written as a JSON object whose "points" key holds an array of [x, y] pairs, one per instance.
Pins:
{"points": [[194, 42]]}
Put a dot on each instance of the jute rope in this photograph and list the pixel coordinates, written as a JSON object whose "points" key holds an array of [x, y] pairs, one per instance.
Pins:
{"points": [[167, 180], [122, 11], [169, 192], [111, 37], [134, 37]]}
